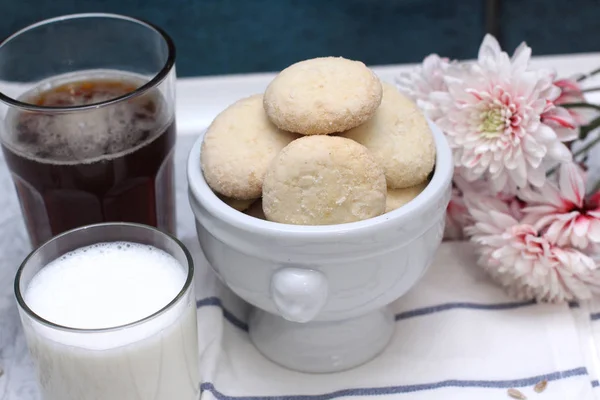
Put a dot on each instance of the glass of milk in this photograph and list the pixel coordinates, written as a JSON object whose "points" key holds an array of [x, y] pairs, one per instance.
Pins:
{"points": [[109, 313]]}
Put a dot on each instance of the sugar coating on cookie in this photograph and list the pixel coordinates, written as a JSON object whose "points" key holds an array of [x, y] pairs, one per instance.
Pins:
{"points": [[238, 147], [323, 180], [240, 205], [255, 210], [323, 95], [399, 138], [396, 198]]}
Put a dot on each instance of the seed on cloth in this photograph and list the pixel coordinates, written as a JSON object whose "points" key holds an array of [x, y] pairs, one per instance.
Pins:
{"points": [[516, 394], [540, 386]]}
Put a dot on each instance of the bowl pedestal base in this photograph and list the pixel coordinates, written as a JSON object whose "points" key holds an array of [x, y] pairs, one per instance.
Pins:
{"points": [[321, 346]]}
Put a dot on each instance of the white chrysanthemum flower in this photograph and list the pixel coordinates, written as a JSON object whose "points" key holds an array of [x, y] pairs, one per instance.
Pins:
{"points": [[420, 82], [500, 119]]}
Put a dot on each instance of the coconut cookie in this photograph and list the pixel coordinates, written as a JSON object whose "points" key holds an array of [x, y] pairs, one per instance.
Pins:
{"points": [[238, 147], [399, 138], [323, 95], [240, 205], [396, 198], [323, 180]]}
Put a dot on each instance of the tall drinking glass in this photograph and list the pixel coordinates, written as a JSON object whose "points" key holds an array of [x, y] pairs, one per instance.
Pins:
{"points": [[152, 358], [87, 122]]}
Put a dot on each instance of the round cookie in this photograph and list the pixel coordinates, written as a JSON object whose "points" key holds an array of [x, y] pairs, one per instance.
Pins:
{"points": [[396, 198], [238, 147], [323, 180], [323, 95], [256, 210], [399, 138], [240, 205]]}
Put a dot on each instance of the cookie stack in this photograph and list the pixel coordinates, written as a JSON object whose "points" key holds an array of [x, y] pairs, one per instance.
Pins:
{"points": [[327, 143]]}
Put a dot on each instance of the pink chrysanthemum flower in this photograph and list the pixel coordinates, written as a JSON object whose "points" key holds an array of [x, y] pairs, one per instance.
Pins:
{"points": [[568, 217], [419, 83], [524, 260], [457, 213], [457, 216], [492, 115], [571, 92]]}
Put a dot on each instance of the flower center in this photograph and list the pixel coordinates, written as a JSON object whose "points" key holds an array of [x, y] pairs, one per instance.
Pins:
{"points": [[588, 205], [492, 124]]}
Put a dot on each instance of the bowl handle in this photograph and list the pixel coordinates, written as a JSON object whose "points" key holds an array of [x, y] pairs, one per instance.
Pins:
{"points": [[298, 293]]}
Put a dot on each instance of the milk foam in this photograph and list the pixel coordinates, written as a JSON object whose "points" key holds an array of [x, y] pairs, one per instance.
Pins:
{"points": [[103, 286]]}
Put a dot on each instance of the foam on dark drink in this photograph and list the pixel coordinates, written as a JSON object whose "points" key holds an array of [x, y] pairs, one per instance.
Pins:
{"points": [[86, 136], [112, 162]]}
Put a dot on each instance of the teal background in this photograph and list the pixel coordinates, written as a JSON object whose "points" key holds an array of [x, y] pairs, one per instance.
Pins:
{"points": [[238, 36]]}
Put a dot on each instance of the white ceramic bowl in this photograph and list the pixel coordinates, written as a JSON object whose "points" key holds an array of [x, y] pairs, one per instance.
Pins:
{"points": [[321, 292]]}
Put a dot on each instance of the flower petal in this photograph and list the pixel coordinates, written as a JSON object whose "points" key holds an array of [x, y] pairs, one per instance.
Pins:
{"points": [[581, 226], [594, 230], [520, 58], [571, 183], [559, 152], [559, 117]]}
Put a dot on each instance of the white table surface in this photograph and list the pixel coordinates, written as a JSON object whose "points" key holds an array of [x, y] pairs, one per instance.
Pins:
{"points": [[199, 100]]}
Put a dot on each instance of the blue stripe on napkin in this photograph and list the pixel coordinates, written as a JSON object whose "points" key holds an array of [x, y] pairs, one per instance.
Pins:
{"points": [[215, 301], [470, 306], [595, 383], [488, 384]]}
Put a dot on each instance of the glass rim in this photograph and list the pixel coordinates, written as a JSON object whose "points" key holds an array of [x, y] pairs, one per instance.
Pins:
{"points": [[155, 81], [186, 286]]}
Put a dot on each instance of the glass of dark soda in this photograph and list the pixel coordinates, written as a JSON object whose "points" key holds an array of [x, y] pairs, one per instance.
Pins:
{"points": [[87, 106]]}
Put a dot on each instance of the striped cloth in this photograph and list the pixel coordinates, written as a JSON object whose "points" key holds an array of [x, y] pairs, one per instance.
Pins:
{"points": [[458, 336]]}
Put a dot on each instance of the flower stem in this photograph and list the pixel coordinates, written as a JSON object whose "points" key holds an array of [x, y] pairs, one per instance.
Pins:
{"points": [[586, 129], [581, 105], [584, 77], [586, 148]]}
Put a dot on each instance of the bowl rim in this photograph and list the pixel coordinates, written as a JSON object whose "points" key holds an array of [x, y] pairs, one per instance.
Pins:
{"points": [[434, 191]]}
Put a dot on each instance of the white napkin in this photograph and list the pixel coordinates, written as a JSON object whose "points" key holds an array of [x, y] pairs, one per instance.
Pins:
{"points": [[458, 336]]}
